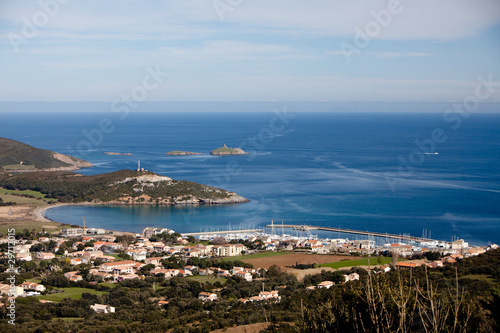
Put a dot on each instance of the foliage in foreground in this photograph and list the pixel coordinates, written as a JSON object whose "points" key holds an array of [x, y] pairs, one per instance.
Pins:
{"points": [[445, 299]]}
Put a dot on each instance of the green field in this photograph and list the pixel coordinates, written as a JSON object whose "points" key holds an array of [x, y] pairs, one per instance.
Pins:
{"points": [[108, 284], [19, 167], [36, 194], [75, 293], [357, 262], [257, 255], [205, 279], [50, 227], [38, 200]]}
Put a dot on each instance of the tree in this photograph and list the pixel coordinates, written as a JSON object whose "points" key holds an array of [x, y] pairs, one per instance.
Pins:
{"points": [[219, 240]]}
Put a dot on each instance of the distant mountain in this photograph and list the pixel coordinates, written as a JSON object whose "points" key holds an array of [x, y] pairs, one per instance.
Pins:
{"points": [[120, 187], [20, 157]]}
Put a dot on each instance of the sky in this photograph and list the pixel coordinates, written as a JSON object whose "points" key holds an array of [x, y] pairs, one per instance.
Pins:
{"points": [[250, 50]]}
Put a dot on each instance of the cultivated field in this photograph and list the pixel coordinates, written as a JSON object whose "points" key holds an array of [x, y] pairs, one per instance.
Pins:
{"points": [[290, 259]]}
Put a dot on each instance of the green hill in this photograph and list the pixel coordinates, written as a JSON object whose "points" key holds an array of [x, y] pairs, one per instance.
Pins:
{"points": [[119, 187], [17, 156]]}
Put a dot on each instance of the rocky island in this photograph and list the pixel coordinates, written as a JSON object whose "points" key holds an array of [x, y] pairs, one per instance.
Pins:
{"points": [[225, 150], [16, 156], [181, 153], [118, 154]]}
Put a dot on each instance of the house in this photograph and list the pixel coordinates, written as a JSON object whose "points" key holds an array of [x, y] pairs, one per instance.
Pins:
{"points": [[270, 295], [434, 264], [190, 268], [223, 273], [101, 308], [205, 272], [265, 296], [6, 290], [204, 296], [163, 303], [32, 286], [126, 277], [244, 275], [92, 254], [137, 255], [154, 260], [326, 284], [24, 256], [45, 256], [73, 276], [149, 231], [76, 261], [105, 276], [351, 277]]}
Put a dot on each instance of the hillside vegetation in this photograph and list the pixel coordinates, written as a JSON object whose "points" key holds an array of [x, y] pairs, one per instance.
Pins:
{"points": [[120, 187], [18, 156]]}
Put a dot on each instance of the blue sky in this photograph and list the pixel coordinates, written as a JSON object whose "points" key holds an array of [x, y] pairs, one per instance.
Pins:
{"points": [[249, 50]]}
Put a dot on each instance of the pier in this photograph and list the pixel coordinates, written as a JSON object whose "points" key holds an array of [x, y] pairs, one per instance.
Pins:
{"points": [[351, 231], [222, 232]]}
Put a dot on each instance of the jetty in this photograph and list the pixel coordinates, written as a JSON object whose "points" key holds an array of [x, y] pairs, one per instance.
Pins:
{"points": [[351, 231], [224, 232]]}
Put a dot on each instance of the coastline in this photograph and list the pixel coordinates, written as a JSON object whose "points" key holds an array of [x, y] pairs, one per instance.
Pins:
{"points": [[39, 213]]}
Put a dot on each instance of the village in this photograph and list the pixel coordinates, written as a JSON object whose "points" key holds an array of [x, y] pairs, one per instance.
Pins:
{"points": [[99, 256]]}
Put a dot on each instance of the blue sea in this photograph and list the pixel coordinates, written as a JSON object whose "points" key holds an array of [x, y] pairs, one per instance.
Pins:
{"points": [[400, 173]]}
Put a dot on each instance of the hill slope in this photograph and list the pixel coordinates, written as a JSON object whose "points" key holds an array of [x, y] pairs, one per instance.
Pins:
{"points": [[119, 187], [17, 156]]}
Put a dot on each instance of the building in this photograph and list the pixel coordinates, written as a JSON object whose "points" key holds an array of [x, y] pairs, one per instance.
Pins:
{"points": [[150, 231], [204, 296], [351, 277], [228, 250], [137, 255], [45, 256], [72, 232], [153, 260], [102, 308], [244, 275], [73, 276], [32, 286], [326, 284], [459, 244], [24, 256], [109, 267]]}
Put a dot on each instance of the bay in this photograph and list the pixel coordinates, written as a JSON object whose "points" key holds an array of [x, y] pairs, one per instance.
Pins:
{"points": [[357, 170]]}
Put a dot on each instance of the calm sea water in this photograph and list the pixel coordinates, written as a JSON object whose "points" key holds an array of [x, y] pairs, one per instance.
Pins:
{"points": [[354, 170]]}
